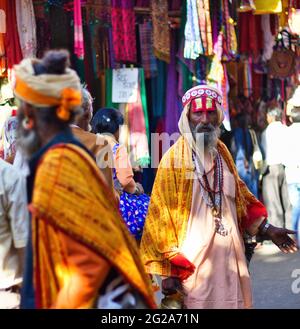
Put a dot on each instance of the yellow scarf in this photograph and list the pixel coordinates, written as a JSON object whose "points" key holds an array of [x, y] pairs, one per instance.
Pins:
{"points": [[69, 194], [171, 200]]}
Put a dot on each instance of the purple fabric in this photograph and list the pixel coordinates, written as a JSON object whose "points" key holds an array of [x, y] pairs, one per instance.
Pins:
{"points": [[175, 4], [111, 50], [215, 32], [172, 99], [124, 4], [143, 3]]}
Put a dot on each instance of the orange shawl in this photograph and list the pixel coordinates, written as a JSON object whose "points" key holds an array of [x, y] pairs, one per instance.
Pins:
{"points": [[170, 205], [69, 195]]}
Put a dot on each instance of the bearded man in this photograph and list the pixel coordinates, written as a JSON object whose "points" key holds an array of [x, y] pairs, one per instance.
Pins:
{"points": [[78, 243], [198, 213]]}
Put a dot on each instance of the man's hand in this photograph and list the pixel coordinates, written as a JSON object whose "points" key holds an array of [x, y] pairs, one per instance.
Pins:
{"points": [[279, 236], [171, 286]]}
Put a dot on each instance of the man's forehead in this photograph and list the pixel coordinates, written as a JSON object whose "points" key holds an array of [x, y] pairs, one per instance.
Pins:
{"points": [[202, 91], [203, 104]]}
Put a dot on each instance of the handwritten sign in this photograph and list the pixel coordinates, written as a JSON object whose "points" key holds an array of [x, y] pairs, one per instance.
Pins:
{"points": [[125, 85]]}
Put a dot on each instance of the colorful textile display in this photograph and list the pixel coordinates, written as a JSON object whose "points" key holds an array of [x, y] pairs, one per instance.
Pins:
{"points": [[78, 32], [161, 37], [173, 108], [146, 42], [12, 42], [203, 8], [135, 134], [26, 27], [123, 30], [193, 46]]}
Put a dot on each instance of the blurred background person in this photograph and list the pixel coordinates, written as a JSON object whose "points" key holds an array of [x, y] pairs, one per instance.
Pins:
{"points": [[97, 145], [242, 150], [133, 201], [13, 234], [274, 185], [292, 169]]}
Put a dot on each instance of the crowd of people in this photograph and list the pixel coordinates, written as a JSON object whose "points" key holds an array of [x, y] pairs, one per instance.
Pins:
{"points": [[78, 231]]}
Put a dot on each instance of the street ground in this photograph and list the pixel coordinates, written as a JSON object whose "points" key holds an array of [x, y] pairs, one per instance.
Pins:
{"points": [[272, 281]]}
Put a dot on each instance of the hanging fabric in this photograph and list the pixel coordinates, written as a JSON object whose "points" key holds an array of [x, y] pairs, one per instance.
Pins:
{"points": [[26, 27], [193, 46], [135, 131], [172, 102], [161, 33], [138, 126], [231, 40], [209, 49], [78, 31], [12, 42], [247, 77], [123, 30], [269, 39], [43, 31], [158, 90], [224, 87], [146, 42], [202, 25], [2, 37]]}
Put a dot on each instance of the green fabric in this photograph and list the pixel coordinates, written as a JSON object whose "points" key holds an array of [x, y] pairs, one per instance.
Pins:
{"points": [[144, 101], [109, 103], [187, 76], [79, 64]]}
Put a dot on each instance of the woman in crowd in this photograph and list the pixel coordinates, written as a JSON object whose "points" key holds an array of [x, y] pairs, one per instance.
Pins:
{"points": [[133, 201]]}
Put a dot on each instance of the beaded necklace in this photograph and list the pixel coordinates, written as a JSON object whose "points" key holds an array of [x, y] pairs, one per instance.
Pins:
{"points": [[212, 196]]}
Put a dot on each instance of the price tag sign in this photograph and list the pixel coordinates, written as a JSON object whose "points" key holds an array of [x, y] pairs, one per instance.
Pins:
{"points": [[125, 85]]}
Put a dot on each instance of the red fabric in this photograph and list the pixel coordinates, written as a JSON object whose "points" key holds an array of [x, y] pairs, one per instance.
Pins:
{"points": [[256, 84], [254, 212], [123, 30], [258, 34], [181, 267], [274, 24], [12, 43], [250, 36]]}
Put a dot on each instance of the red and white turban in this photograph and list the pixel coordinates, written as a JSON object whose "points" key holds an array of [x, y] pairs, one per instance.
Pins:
{"points": [[204, 98]]}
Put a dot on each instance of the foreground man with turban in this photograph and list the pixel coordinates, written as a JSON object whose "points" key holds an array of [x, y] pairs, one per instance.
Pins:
{"points": [[198, 212], [77, 240]]}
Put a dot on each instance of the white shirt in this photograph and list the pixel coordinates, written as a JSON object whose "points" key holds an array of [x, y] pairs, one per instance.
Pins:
{"points": [[273, 142], [13, 223], [292, 154]]}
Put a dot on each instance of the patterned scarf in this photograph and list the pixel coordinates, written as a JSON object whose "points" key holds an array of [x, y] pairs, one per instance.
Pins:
{"points": [[148, 59], [161, 33], [26, 27], [123, 30], [193, 46], [75, 201], [78, 31]]}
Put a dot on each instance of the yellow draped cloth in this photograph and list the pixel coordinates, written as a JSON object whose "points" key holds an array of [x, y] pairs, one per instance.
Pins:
{"points": [[69, 195], [170, 204]]}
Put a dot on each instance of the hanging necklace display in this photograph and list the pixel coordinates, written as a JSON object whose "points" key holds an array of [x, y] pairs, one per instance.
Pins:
{"points": [[212, 196]]}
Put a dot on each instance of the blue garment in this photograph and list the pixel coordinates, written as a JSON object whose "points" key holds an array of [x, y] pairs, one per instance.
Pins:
{"points": [[133, 208], [294, 194], [27, 292], [244, 151]]}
